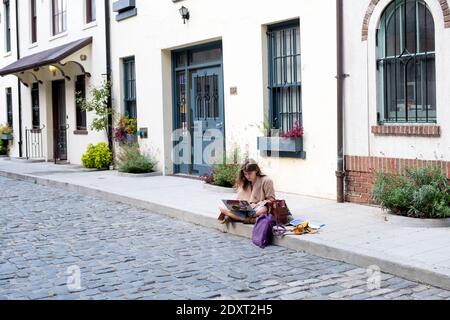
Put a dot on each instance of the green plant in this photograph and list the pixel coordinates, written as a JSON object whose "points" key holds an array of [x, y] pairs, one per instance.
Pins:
{"points": [[98, 103], [224, 174], [429, 202], [98, 156], [266, 128], [3, 149], [131, 160], [392, 192], [125, 125], [421, 193]]}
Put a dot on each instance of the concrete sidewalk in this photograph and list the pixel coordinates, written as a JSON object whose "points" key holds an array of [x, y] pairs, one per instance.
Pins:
{"points": [[417, 250]]}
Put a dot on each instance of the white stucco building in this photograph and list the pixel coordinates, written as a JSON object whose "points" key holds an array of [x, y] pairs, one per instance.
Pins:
{"points": [[224, 49], [62, 50], [223, 68], [394, 118]]}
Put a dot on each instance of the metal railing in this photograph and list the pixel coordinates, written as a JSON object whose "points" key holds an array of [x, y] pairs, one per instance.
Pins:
{"points": [[34, 147], [60, 143]]}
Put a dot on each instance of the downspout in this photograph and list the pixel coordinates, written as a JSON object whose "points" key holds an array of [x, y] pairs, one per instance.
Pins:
{"points": [[340, 85], [108, 76], [19, 85]]}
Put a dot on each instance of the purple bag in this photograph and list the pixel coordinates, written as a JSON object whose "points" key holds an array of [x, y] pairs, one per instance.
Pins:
{"points": [[262, 231]]}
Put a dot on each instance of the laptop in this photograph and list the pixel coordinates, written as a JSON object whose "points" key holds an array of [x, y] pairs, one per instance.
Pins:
{"points": [[238, 205]]}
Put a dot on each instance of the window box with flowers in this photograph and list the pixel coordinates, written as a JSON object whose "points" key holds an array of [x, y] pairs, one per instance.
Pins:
{"points": [[288, 144], [126, 130]]}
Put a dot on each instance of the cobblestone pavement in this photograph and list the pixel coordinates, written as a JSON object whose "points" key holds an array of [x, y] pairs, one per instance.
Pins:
{"points": [[61, 245]]}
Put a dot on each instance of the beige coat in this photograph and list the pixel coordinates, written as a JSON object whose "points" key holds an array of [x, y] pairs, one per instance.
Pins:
{"points": [[261, 190]]}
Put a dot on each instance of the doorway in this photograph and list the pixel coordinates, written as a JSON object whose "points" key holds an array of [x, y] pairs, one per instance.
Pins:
{"points": [[59, 121], [198, 105]]}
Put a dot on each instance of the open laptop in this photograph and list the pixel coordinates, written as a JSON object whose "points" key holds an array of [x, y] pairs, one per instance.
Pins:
{"points": [[238, 205]]}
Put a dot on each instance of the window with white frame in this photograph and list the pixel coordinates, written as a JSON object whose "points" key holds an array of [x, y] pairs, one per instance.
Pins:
{"points": [[59, 16], [33, 21], [406, 64], [7, 12], [91, 13]]}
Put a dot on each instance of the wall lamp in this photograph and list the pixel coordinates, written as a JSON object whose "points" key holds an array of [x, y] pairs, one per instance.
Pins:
{"points": [[184, 14]]}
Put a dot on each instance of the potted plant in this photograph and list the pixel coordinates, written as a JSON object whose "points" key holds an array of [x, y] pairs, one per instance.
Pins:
{"points": [[6, 132], [126, 130], [286, 143], [223, 174]]}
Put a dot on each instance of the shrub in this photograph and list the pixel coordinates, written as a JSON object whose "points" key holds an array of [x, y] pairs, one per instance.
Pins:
{"points": [[3, 149], [421, 193], [225, 174], [98, 156], [131, 160]]}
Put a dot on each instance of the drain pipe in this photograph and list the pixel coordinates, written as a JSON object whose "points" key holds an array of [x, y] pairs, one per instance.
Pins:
{"points": [[19, 85], [108, 75], [340, 85]]}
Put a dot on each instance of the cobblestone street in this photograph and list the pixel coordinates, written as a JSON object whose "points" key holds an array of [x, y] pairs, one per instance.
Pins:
{"points": [[61, 245]]}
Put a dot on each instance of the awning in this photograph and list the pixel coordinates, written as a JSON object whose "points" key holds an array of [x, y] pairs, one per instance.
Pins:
{"points": [[48, 57]]}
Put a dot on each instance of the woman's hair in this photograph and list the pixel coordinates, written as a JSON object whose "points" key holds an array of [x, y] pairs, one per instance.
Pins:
{"points": [[249, 165]]}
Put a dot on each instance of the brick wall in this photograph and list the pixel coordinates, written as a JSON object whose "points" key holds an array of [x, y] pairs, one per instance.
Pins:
{"points": [[408, 131], [360, 170], [373, 3]]}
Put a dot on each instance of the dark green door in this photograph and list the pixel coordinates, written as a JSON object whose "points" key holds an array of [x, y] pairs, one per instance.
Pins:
{"points": [[207, 113]]}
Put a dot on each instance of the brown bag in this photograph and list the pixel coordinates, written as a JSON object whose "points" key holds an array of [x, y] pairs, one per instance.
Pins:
{"points": [[280, 211]]}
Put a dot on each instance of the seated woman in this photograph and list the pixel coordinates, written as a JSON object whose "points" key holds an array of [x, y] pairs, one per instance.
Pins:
{"points": [[254, 187]]}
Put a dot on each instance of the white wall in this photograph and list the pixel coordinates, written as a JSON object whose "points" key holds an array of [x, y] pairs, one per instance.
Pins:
{"points": [[10, 81], [361, 91], [96, 55], [158, 28]]}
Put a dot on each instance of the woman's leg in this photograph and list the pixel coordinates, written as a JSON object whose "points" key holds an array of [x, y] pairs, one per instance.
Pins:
{"points": [[230, 214]]}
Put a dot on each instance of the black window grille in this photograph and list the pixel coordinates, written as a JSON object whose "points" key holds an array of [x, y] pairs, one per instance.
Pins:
{"points": [[7, 10], [9, 107], [80, 92], [59, 13], [406, 64], [33, 21], [285, 75], [130, 87], [90, 11], [35, 106]]}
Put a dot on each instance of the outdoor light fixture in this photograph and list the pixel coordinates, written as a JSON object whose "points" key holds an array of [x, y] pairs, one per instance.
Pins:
{"points": [[184, 14], [52, 69]]}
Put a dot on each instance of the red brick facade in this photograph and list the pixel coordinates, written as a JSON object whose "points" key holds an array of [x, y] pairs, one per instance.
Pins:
{"points": [[365, 28], [359, 173], [409, 131]]}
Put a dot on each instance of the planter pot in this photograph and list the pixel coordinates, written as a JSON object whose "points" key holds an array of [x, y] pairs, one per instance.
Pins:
{"points": [[131, 138], [139, 175], [391, 218], [286, 147], [212, 187], [6, 137]]}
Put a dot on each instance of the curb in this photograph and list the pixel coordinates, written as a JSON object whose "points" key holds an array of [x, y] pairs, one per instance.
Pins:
{"points": [[399, 269]]}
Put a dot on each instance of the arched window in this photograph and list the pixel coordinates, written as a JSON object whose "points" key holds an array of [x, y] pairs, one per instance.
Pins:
{"points": [[406, 64]]}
